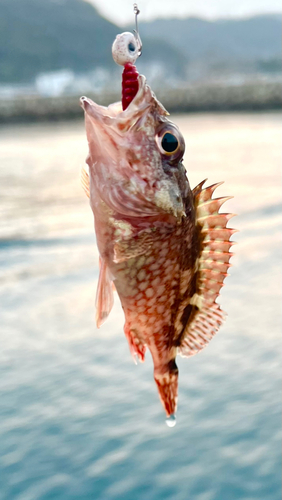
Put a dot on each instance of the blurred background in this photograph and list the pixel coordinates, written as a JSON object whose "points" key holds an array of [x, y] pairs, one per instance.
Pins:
{"points": [[77, 419], [52, 51]]}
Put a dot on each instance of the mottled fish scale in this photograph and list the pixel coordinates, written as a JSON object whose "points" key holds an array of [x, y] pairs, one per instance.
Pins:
{"points": [[150, 292]]}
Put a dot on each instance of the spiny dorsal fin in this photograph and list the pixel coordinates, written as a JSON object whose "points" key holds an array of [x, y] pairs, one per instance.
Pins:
{"points": [[212, 267], [85, 181]]}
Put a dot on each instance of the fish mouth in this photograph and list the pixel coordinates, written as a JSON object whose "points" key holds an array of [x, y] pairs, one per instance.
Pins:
{"points": [[124, 161], [123, 120], [108, 128]]}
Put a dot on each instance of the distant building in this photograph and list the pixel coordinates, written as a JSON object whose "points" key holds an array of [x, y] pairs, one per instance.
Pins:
{"points": [[55, 83]]}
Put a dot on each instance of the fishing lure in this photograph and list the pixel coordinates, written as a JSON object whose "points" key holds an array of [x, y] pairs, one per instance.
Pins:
{"points": [[165, 247]]}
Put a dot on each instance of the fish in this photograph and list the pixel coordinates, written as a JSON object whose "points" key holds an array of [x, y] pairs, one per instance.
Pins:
{"points": [[164, 247]]}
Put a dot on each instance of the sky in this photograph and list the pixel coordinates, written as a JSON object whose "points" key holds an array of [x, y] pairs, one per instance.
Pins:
{"points": [[121, 11]]}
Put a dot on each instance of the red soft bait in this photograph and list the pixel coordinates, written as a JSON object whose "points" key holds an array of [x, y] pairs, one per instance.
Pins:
{"points": [[129, 84]]}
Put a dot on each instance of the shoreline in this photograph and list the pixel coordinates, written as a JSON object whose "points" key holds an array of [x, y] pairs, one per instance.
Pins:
{"points": [[257, 97]]}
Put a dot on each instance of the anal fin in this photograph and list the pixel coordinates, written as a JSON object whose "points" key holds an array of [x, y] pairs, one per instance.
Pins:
{"points": [[136, 347]]}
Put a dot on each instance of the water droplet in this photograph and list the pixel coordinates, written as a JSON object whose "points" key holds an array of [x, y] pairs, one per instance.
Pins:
{"points": [[171, 420]]}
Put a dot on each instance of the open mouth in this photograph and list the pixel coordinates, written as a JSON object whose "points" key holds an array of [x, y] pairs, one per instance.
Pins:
{"points": [[124, 158], [123, 120]]}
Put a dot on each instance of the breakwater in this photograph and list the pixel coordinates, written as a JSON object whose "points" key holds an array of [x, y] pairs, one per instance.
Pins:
{"points": [[258, 96]]}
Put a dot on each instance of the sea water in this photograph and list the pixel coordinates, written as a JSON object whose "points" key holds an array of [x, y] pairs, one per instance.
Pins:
{"points": [[78, 420]]}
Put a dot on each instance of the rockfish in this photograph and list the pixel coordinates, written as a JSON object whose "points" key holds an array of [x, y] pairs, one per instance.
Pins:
{"points": [[164, 246]]}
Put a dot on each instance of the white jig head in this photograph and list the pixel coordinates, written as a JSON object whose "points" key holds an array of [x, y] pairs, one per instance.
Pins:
{"points": [[127, 46]]}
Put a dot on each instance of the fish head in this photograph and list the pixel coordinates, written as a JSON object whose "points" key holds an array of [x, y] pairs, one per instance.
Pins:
{"points": [[135, 157]]}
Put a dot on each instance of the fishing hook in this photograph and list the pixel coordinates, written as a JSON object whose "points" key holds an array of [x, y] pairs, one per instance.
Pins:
{"points": [[136, 31]]}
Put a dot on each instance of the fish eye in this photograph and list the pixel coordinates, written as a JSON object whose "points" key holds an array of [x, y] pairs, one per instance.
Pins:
{"points": [[169, 143], [131, 47]]}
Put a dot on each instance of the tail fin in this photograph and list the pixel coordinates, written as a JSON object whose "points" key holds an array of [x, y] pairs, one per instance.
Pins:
{"points": [[166, 378]]}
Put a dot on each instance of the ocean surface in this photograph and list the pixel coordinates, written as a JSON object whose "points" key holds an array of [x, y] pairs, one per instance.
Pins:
{"points": [[78, 420]]}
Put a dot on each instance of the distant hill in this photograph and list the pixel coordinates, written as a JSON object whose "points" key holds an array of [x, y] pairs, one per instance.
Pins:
{"points": [[255, 37], [48, 35], [235, 43]]}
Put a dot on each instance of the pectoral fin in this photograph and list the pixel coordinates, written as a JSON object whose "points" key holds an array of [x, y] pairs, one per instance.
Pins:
{"points": [[129, 247]]}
